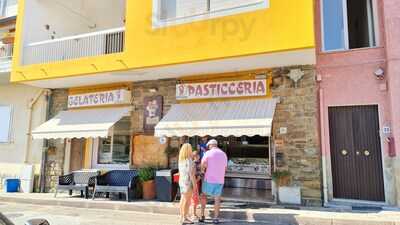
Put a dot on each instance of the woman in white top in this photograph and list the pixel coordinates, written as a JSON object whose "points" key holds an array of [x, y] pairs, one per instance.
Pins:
{"points": [[186, 181]]}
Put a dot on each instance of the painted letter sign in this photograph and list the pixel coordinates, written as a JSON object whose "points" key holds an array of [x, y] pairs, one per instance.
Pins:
{"points": [[113, 97], [225, 89]]}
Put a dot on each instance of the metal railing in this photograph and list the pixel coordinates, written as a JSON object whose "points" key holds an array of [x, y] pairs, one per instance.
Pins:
{"points": [[75, 47], [6, 53]]}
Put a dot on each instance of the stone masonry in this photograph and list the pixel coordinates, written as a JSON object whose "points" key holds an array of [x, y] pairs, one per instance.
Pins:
{"points": [[298, 112], [140, 90], [144, 155], [55, 154]]}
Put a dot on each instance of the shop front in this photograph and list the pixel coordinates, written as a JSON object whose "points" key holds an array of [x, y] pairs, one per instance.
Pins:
{"points": [[240, 110], [243, 130], [264, 120], [93, 132]]}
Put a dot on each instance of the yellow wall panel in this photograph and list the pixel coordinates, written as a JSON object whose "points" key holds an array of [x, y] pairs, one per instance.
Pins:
{"points": [[285, 25]]}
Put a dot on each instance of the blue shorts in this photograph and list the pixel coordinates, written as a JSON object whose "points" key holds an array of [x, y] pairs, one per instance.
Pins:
{"points": [[214, 190]]}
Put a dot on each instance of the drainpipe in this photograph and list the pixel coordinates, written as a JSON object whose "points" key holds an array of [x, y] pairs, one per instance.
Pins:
{"points": [[323, 146], [30, 109]]}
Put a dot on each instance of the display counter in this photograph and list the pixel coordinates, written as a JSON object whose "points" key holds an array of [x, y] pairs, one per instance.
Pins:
{"points": [[257, 168]]}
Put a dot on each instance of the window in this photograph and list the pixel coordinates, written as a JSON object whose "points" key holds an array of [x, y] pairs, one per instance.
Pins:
{"points": [[348, 24], [116, 148], [169, 12], [8, 8], [5, 123]]}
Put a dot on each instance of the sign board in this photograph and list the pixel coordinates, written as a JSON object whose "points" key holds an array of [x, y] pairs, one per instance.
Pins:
{"points": [[387, 130], [113, 97], [225, 89], [153, 109], [283, 130]]}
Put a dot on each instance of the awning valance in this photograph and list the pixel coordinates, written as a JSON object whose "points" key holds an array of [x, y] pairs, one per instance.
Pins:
{"points": [[80, 123], [233, 118]]}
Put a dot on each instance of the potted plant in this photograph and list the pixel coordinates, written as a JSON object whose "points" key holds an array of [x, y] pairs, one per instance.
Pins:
{"points": [[146, 177]]}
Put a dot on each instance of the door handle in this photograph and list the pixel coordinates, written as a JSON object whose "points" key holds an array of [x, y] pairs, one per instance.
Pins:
{"points": [[344, 152], [367, 153], [358, 152]]}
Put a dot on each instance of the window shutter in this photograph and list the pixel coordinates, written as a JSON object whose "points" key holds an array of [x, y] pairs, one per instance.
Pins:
{"points": [[5, 123], [229, 4]]}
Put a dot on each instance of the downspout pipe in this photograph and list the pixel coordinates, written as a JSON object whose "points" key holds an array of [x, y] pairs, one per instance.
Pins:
{"points": [[30, 114], [323, 147]]}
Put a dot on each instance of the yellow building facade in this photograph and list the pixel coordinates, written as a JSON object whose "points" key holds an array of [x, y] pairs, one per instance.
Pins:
{"points": [[283, 26]]}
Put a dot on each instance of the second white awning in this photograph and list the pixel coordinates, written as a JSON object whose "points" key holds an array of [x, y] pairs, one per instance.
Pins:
{"points": [[80, 123], [233, 118]]}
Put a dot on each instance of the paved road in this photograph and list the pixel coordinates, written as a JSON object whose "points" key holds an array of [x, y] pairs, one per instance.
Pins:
{"points": [[19, 213]]}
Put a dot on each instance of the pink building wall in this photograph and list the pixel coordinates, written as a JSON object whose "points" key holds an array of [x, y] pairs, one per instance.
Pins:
{"points": [[347, 78], [391, 18]]}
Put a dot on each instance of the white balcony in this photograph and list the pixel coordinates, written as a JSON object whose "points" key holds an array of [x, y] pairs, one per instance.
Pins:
{"points": [[74, 47], [6, 52]]}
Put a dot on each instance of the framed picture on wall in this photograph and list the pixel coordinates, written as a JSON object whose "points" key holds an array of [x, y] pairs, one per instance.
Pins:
{"points": [[153, 110]]}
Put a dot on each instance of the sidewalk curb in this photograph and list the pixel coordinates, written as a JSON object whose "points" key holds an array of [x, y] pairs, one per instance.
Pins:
{"points": [[169, 209]]}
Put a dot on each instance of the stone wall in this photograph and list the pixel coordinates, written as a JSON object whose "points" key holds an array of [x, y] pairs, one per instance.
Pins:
{"points": [[140, 90], [55, 154], [153, 153], [298, 112]]}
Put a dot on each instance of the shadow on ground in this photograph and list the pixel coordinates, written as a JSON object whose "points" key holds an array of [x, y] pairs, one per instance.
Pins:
{"points": [[259, 218]]}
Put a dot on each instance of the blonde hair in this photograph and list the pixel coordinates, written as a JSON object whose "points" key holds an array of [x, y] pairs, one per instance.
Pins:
{"points": [[185, 152]]}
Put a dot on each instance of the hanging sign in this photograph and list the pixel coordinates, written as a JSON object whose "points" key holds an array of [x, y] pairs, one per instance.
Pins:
{"points": [[113, 97], [226, 89]]}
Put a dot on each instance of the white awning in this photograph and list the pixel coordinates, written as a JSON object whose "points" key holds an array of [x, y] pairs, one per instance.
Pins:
{"points": [[80, 123], [233, 118]]}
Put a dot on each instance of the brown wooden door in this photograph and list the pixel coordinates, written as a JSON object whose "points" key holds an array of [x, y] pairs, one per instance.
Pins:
{"points": [[77, 154], [356, 153]]}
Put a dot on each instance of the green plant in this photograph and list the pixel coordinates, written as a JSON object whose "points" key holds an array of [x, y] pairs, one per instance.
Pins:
{"points": [[171, 151], [279, 174], [146, 174]]}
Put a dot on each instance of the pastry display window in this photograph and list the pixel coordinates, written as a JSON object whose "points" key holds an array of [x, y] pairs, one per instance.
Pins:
{"points": [[248, 157]]}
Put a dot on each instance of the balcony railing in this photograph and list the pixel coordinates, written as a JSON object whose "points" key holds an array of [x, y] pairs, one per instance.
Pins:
{"points": [[6, 53], [75, 47]]}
